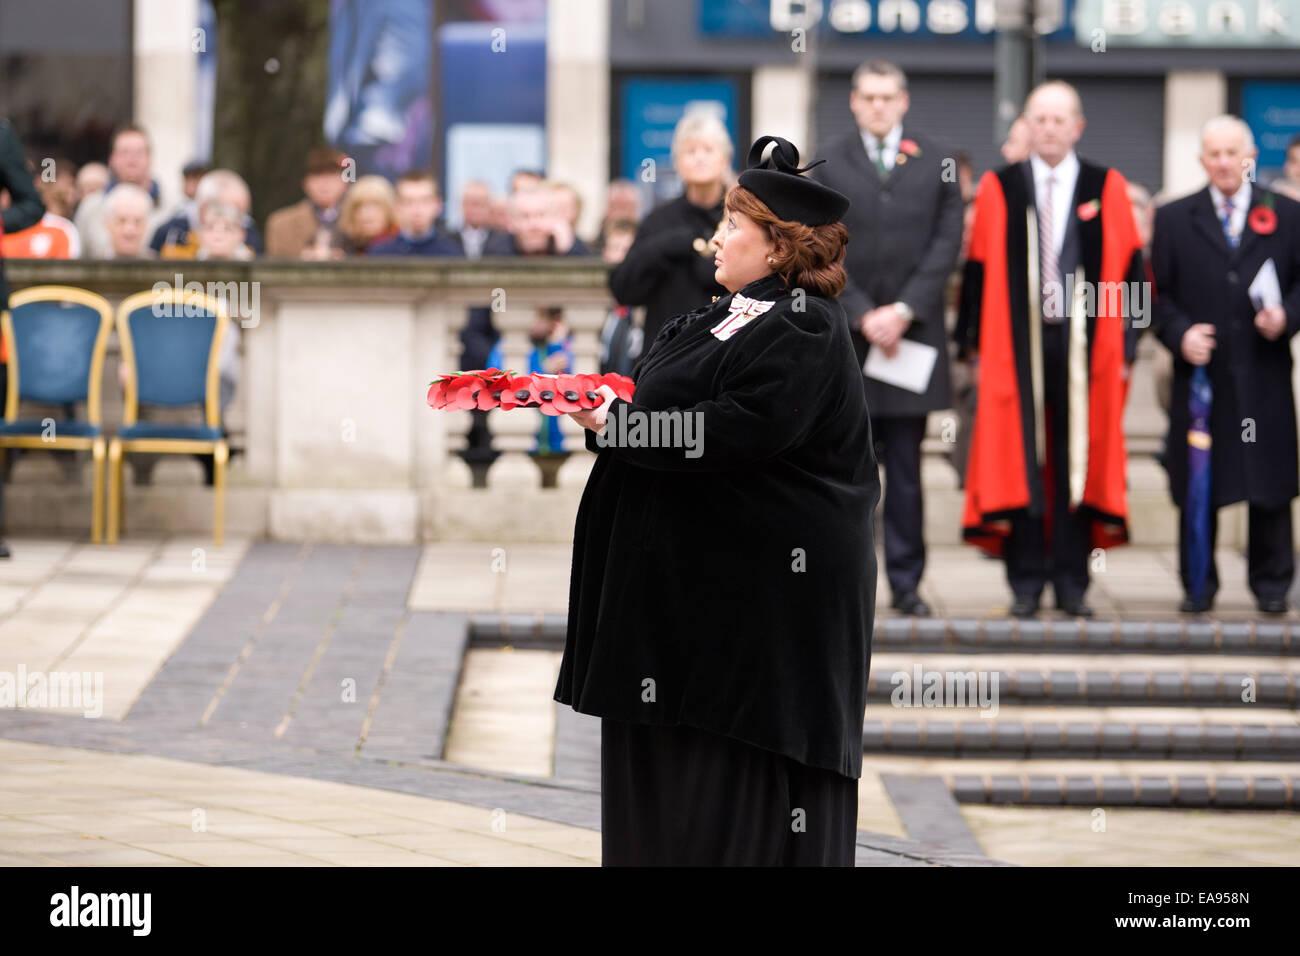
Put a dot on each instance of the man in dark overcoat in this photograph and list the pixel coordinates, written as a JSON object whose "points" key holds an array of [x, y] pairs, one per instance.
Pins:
{"points": [[905, 223], [1207, 250]]}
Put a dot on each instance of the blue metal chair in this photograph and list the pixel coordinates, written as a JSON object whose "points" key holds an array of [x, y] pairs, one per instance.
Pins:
{"points": [[171, 346], [56, 337]]}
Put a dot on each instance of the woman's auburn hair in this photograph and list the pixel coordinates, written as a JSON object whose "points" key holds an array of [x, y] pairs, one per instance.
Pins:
{"points": [[810, 257]]}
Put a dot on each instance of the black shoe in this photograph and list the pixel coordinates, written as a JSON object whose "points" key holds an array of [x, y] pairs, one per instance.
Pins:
{"points": [[1192, 605], [4, 549], [1024, 607], [1273, 606], [1075, 608], [911, 603]]}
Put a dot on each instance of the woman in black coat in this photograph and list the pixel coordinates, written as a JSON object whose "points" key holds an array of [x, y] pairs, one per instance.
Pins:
{"points": [[669, 268], [723, 582]]}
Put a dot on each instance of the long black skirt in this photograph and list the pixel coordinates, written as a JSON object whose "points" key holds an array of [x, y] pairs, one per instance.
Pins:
{"points": [[681, 796]]}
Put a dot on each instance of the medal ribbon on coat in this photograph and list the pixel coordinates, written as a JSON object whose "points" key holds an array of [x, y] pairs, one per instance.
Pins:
{"points": [[741, 312]]}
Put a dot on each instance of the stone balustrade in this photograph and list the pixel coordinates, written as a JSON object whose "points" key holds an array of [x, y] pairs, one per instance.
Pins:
{"points": [[333, 437]]}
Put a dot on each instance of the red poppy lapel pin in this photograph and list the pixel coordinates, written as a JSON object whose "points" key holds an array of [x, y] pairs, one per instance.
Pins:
{"points": [[906, 148], [1088, 210], [1262, 219]]}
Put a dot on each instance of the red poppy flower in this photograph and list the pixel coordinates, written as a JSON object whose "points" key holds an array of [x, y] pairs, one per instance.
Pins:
{"points": [[909, 147], [1262, 220], [621, 384], [568, 398], [588, 390], [546, 388], [514, 391], [436, 397], [1088, 211], [461, 391]]}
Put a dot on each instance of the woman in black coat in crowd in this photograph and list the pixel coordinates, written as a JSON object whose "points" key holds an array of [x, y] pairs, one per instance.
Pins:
{"points": [[723, 583], [669, 268]]}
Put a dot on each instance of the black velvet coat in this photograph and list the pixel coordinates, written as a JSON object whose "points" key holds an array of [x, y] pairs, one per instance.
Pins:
{"points": [[734, 591]]}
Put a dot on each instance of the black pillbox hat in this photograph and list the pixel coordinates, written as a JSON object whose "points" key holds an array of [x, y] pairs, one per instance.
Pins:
{"points": [[778, 182]]}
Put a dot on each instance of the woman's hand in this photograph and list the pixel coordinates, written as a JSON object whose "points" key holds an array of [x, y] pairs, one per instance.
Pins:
{"points": [[594, 418]]}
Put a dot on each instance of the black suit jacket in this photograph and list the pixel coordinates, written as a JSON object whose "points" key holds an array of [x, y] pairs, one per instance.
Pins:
{"points": [[1199, 278], [27, 208], [905, 237]]}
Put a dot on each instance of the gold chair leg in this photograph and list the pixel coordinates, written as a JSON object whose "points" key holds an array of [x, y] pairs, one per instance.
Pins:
{"points": [[219, 455], [97, 497], [114, 488], [121, 492]]}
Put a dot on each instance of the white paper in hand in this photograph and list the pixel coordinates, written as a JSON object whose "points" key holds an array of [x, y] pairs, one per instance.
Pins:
{"points": [[910, 368], [1265, 291]]}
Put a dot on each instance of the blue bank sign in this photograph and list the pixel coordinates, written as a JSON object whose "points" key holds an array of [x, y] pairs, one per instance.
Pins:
{"points": [[1171, 23], [927, 19]]}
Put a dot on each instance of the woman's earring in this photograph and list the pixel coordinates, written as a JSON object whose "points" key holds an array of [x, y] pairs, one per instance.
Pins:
{"points": [[770, 260]]}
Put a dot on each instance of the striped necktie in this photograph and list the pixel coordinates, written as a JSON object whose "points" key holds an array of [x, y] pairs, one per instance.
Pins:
{"points": [[1226, 221], [1051, 267]]}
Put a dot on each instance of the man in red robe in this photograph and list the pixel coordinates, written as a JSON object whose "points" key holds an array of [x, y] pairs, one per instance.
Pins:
{"points": [[1053, 298]]}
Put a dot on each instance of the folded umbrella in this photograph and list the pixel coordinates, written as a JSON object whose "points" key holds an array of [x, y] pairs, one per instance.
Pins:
{"points": [[1198, 514]]}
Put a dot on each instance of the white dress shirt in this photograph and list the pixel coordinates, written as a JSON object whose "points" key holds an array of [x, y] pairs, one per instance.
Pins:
{"points": [[472, 240], [888, 149], [1241, 205], [1067, 174]]}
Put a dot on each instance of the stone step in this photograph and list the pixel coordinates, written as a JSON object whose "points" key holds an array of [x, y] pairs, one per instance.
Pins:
{"points": [[1047, 736], [934, 635], [1245, 785], [1190, 635], [1220, 792], [1129, 687]]}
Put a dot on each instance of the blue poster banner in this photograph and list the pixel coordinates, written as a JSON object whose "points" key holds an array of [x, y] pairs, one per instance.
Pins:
{"points": [[651, 107], [1272, 111]]}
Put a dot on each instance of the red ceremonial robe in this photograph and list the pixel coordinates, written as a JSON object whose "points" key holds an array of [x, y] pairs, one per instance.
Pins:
{"points": [[1003, 475]]}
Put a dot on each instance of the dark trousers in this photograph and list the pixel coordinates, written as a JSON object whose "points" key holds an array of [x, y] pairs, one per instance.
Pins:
{"points": [[1269, 555], [898, 448], [680, 796], [1054, 546]]}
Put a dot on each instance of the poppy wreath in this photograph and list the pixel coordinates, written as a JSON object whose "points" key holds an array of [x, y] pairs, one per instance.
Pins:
{"points": [[1262, 219], [488, 388]]}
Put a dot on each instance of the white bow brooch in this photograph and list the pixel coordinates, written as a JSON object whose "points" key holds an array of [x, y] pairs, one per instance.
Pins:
{"points": [[741, 312]]}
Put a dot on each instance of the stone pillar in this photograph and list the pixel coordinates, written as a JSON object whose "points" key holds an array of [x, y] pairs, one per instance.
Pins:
{"points": [[1191, 98], [782, 101], [346, 397], [166, 83], [577, 103]]}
